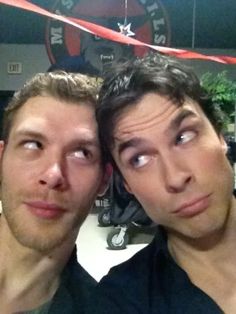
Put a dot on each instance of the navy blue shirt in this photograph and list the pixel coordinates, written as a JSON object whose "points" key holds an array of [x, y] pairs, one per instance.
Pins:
{"points": [[150, 283]]}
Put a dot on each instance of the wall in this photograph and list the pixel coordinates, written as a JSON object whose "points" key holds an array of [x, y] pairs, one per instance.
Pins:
{"points": [[202, 67], [34, 59]]}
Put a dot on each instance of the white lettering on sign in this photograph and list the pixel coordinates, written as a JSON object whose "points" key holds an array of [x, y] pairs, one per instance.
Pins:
{"points": [[157, 23], [14, 67], [56, 35]]}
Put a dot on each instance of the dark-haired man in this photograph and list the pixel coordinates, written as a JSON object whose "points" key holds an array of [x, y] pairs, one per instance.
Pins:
{"points": [[51, 172], [164, 135]]}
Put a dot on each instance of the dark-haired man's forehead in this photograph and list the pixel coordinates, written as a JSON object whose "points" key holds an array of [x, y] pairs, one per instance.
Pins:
{"points": [[173, 118]]}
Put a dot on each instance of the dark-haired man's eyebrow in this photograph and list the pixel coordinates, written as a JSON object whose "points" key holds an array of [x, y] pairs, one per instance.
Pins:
{"points": [[176, 122], [174, 125], [134, 142]]}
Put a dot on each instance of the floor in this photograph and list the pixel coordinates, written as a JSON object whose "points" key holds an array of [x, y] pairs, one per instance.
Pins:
{"points": [[93, 252]]}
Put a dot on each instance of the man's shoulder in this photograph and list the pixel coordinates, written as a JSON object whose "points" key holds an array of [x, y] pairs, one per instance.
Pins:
{"points": [[125, 289], [75, 277], [74, 290], [134, 269], [78, 276]]}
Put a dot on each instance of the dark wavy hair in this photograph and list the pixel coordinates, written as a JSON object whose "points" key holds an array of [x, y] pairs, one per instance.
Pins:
{"points": [[125, 84]]}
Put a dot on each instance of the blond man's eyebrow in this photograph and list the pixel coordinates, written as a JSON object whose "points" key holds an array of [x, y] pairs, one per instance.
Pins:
{"points": [[29, 132], [83, 140]]}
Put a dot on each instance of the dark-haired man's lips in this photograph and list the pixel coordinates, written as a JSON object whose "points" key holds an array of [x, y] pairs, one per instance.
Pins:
{"points": [[193, 207], [45, 210]]}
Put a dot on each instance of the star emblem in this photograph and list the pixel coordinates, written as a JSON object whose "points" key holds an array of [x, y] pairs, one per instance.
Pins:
{"points": [[125, 29]]}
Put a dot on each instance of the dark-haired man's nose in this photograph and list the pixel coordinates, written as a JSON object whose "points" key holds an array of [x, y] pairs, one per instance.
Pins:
{"points": [[177, 175]]}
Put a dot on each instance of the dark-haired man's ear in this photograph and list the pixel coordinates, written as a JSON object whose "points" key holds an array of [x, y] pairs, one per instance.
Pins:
{"points": [[223, 144]]}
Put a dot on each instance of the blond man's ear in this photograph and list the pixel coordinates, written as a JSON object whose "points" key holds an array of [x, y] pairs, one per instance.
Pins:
{"points": [[106, 180], [1, 148]]}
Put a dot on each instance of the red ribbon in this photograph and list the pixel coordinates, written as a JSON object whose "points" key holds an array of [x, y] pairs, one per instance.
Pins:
{"points": [[115, 36]]}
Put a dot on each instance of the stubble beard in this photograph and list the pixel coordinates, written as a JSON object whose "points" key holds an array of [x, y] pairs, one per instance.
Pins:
{"points": [[42, 236]]}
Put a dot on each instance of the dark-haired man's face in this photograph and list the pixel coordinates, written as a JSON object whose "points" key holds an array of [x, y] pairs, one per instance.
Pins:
{"points": [[175, 164]]}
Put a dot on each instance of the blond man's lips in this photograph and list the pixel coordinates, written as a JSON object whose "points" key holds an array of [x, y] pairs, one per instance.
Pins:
{"points": [[45, 210]]}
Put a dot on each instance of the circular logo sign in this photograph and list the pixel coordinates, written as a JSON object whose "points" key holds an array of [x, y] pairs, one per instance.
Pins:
{"points": [[145, 20]]}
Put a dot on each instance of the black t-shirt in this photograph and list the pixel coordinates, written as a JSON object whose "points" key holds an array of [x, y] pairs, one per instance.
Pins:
{"points": [[150, 283], [74, 290]]}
